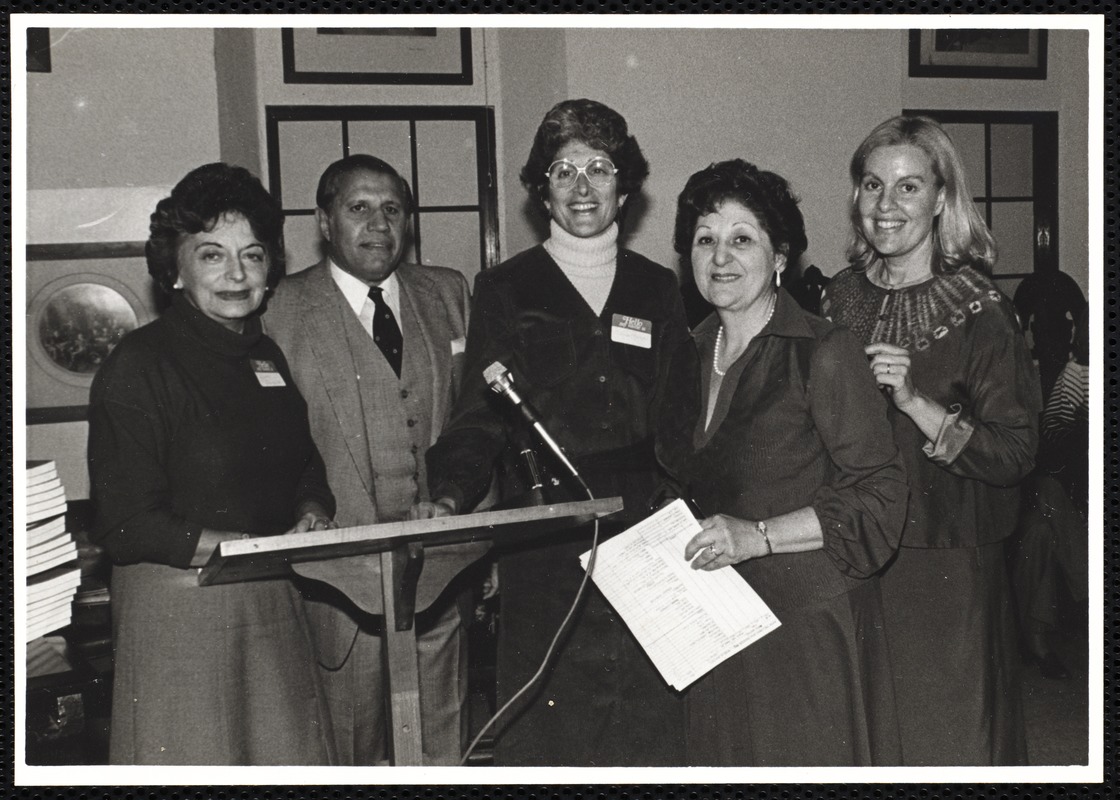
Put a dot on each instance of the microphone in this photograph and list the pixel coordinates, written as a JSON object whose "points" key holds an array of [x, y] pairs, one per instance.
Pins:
{"points": [[499, 380]]}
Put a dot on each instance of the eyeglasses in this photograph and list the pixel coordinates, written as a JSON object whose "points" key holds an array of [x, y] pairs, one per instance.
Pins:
{"points": [[599, 172]]}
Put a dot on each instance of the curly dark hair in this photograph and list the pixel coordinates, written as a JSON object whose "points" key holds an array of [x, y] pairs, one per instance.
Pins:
{"points": [[766, 194], [197, 203], [596, 125]]}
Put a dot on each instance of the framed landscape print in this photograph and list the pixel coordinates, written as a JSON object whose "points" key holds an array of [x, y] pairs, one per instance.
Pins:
{"points": [[978, 53]]}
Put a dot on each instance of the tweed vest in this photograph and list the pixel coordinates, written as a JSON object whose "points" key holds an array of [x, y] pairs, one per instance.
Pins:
{"points": [[396, 412]]}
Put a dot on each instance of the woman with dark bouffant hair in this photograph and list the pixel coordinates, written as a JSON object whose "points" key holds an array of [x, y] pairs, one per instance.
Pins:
{"points": [[772, 425], [945, 346], [584, 327], [197, 435]]}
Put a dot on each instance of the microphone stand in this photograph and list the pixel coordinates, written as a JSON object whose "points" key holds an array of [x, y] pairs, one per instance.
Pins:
{"points": [[535, 495]]}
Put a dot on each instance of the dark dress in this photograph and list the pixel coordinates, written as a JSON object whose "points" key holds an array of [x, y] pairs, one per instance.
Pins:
{"points": [[798, 422], [946, 597], [601, 703], [183, 435]]}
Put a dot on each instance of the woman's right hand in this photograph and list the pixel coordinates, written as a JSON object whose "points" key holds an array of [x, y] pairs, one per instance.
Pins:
{"points": [[890, 365], [723, 541]]}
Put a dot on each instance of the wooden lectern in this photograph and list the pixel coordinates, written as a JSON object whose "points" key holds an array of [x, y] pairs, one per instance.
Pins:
{"points": [[396, 569]]}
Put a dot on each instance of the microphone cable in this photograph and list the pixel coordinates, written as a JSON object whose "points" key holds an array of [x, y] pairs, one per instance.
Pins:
{"points": [[555, 639]]}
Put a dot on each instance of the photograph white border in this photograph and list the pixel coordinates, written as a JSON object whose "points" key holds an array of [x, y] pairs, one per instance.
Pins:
{"points": [[94, 776]]}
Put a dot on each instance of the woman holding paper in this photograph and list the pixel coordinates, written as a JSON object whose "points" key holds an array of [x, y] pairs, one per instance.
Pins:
{"points": [[197, 435], [771, 425]]}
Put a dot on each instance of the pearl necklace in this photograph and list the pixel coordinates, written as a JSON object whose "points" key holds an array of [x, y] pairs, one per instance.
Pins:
{"points": [[719, 337]]}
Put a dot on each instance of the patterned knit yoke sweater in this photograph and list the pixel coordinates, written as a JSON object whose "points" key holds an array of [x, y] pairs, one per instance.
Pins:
{"points": [[967, 354]]}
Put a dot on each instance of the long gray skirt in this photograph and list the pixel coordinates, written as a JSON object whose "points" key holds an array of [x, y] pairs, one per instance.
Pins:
{"points": [[215, 675], [951, 632], [814, 692]]}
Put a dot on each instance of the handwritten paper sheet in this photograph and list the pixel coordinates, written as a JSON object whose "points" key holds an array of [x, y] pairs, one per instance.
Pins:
{"points": [[687, 620]]}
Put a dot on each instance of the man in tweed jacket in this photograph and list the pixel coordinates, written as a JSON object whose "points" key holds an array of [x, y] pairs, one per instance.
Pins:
{"points": [[373, 421]]}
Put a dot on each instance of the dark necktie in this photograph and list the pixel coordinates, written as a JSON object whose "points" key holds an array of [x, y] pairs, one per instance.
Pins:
{"points": [[386, 332]]}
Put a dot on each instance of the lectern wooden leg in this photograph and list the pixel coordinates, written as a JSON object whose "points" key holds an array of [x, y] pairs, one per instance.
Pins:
{"points": [[402, 670]]}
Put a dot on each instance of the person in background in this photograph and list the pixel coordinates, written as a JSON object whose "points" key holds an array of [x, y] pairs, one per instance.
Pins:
{"points": [[198, 435], [1049, 302], [375, 345], [1065, 421], [584, 327], [1051, 560], [770, 423], [945, 346]]}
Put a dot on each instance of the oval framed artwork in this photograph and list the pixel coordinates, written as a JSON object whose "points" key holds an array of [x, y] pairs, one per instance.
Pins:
{"points": [[74, 322]]}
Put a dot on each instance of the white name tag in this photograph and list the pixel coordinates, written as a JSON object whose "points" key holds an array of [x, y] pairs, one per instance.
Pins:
{"points": [[633, 331], [266, 372]]}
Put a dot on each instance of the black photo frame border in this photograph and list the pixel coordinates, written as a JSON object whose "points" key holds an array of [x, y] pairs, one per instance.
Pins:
{"points": [[38, 49], [464, 77]]}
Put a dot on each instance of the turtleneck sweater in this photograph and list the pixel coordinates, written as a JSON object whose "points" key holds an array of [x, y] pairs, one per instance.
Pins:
{"points": [[588, 263]]}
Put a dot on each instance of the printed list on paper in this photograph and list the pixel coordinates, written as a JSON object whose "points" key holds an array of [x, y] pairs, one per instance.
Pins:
{"points": [[687, 620]]}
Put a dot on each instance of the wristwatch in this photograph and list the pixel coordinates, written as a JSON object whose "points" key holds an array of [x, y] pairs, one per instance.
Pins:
{"points": [[760, 526]]}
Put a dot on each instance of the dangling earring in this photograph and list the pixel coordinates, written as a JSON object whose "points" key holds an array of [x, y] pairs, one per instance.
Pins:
{"points": [[777, 279]]}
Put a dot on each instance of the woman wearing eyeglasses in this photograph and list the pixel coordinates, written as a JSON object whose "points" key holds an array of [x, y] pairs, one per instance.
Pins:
{"points": [[585, 327]]}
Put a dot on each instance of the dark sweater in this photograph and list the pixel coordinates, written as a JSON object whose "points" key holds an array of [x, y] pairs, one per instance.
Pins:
{"points": [[968, 354], [798, 422], [183, 436], [594, 394]]}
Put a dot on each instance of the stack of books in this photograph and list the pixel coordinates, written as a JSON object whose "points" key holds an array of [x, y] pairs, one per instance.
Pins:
{"points": [[47, 655], [90, 628], [53, 574]]}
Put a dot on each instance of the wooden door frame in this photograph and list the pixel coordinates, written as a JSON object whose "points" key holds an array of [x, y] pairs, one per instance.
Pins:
{"points": [[1044, 173]]}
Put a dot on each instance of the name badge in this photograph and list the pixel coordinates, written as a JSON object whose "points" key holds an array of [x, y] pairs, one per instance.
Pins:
{"points": [[633, 331], [266, 372]]}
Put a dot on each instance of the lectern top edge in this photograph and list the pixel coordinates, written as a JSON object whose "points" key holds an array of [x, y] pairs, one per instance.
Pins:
{"points": [[417, 529]]}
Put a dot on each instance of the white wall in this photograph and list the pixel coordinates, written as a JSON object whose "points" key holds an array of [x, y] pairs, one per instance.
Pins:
{"points": [[122, 108], [795, 102], [798, 103], [533, 69]]}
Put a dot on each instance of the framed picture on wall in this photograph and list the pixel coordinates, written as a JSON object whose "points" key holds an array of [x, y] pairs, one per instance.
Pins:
{"points": [[978, 53], [403, 56], [81, 300], [38, 50]]}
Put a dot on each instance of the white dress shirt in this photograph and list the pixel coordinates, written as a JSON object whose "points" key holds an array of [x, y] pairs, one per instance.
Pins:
{"points": [[356, 292]]}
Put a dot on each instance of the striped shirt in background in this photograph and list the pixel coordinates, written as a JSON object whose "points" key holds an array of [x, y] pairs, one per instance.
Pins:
{"points": [[1068, 402]]}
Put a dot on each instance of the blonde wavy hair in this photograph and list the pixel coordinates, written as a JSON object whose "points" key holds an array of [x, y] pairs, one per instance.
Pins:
{"points": [[960, 235]]}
